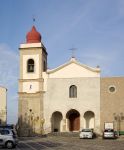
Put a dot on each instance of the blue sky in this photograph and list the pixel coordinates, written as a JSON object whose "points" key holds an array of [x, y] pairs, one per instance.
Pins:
{"points": [[94, 27]]}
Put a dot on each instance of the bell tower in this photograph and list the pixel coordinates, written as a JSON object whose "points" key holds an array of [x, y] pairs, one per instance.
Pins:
{"points": [[33, 62]]}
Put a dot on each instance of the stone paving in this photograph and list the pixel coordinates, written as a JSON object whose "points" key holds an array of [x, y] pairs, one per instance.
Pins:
{"points": [[69, 143]]}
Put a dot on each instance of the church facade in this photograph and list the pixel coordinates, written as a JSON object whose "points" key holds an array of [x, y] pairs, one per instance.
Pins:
{"points": [[68, 98]]}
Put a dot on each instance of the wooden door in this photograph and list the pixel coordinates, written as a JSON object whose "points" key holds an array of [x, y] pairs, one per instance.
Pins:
{"points": [[74, 119]]}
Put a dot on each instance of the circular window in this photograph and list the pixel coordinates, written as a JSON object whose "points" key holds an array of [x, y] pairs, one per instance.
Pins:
{"points": [[112, 89]]}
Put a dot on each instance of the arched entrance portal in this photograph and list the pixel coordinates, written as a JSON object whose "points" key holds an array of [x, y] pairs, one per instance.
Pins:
{"points": [[89, 119], [73, 117], [56, 121]]}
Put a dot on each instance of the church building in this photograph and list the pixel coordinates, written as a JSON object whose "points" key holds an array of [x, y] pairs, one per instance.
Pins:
{"points": [[3, 105], [68, 98]]}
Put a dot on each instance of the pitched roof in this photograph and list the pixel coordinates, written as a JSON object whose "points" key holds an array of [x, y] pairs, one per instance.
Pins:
{"points": [[73, 60]]}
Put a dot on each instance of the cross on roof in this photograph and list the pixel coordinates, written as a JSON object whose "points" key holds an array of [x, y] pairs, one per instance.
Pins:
{"points": [[73, 52]]}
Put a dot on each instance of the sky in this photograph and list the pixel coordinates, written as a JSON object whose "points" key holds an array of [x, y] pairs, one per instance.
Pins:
{"points": [[94, 27]]}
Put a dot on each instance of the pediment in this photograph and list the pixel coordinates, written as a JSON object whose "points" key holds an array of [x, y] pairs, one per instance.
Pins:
{"points": [[73, 69]]}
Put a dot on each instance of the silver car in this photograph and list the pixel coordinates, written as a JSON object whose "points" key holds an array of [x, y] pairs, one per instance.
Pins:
{"points": [[109, 134], [86, 133], [8, 138]]}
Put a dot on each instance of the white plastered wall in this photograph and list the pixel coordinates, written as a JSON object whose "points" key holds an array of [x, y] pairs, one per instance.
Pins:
{"points": [[30, 87], [88, 98], [56, 97]]}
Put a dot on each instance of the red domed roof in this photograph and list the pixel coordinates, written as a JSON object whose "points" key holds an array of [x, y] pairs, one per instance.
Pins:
{"points": [[33, 36]]}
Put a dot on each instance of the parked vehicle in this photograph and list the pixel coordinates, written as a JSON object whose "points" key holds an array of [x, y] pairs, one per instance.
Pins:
{"points": [[8, 138], [109, 125], [87, 133], [8, 126], [116, 134], [109, 134]]}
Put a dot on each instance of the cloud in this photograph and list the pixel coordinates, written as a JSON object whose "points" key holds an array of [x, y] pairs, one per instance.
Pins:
{"points": [[8, 78]]}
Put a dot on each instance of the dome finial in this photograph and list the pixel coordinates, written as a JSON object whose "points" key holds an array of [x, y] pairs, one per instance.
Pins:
{"points": [[33, 36]]}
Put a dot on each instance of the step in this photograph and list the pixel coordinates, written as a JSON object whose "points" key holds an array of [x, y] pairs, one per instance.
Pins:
{"points": [[64, 134]]}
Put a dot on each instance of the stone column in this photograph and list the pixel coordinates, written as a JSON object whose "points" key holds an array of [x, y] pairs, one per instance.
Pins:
{"points": [[63, 125], [81, 122], [67, 125]]}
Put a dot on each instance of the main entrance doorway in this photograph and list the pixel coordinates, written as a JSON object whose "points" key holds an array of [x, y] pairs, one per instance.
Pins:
{"points": [[73, 117]]}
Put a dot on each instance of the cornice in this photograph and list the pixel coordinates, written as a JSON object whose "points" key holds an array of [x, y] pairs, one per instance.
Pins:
{"points": [[31, 94], [32, 80]]}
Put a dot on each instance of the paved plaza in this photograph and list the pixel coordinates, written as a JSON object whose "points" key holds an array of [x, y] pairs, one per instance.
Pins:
{"points": [[69, 143]]}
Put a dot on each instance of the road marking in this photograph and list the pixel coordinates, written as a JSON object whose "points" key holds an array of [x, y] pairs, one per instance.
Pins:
{"points": [[49, 141], [44, 145], [35, 141], [29, 146]]}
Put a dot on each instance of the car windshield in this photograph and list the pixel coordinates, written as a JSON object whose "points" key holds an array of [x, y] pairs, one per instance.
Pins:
{"points": [[109, 130], [86, 130], [4, 132]]}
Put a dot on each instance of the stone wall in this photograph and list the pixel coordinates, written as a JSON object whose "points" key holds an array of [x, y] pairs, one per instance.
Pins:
{"points": [[112, 102]]}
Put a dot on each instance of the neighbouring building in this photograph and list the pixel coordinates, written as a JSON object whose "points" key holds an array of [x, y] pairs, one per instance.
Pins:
{"points": [[68, 98], [3, 105], [112, 102]]}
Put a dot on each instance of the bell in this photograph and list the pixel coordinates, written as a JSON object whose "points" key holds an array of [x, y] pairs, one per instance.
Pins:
{"points": [[31, 68]]}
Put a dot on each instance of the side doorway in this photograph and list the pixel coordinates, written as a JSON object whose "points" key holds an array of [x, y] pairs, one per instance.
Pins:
{"points": [[89, 118], [56, 121]]}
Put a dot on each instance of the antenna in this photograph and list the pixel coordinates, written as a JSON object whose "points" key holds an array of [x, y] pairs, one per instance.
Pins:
{"points": [[73, 52]]}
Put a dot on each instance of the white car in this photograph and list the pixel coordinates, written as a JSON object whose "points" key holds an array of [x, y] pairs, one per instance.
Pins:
{"points": [[109, 133], [8, 138], [86, 133]]}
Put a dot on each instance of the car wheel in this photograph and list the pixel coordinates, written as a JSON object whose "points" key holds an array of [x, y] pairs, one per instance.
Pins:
{"points": [[9, 144]]}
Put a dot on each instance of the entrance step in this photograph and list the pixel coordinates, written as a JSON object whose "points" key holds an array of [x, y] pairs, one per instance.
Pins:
{"points": [[64, 134]]}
